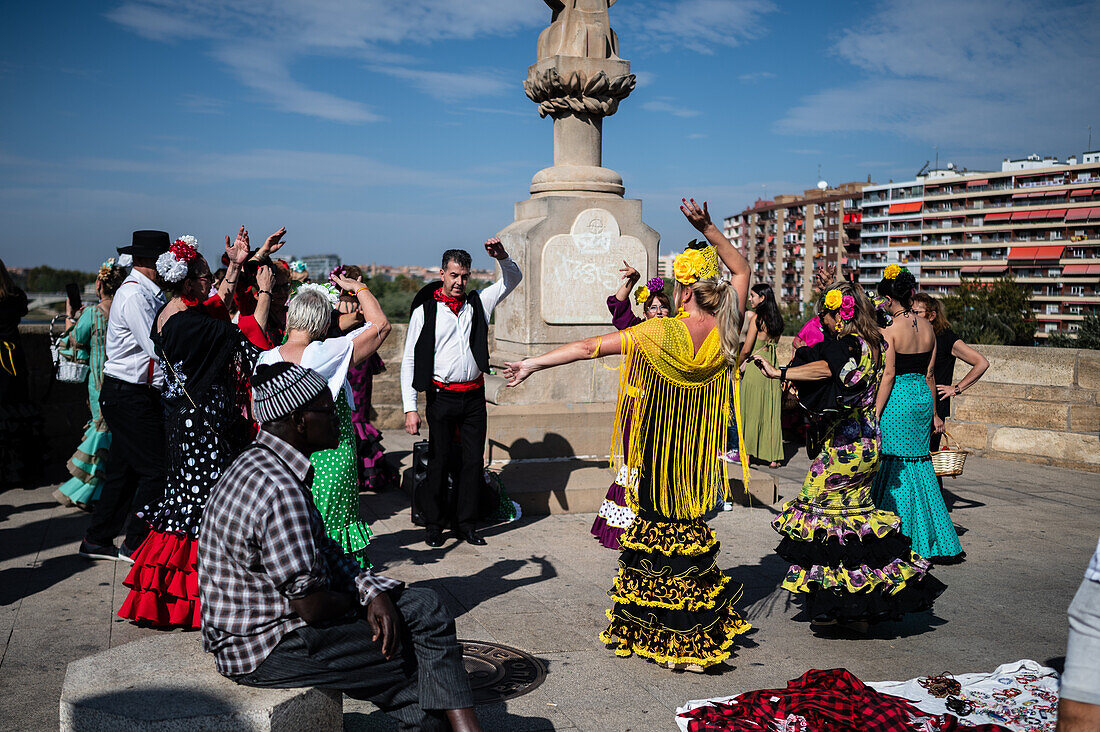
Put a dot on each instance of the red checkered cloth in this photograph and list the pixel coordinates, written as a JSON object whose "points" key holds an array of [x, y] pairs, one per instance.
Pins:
{"points": [[824, 701]]}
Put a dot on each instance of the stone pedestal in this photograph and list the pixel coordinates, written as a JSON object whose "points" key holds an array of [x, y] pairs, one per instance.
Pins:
{"points": [[169, 684]]}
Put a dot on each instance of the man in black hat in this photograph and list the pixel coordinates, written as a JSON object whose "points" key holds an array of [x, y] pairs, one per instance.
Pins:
{"points": [[447, 356], [130, 402]]}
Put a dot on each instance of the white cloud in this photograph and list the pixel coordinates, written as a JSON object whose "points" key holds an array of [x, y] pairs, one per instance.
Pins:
{"points": [[334, 169], [669, 105], [996, 75], [260, 40], [202, 104], [452, 86], [699, 25], [756, 76]]}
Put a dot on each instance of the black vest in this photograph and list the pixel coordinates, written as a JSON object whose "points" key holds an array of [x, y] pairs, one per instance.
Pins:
{"points": [[424, 350]]}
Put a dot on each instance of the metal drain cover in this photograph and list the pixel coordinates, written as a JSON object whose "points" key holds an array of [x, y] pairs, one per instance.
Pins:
{"points": [[498, 673]]}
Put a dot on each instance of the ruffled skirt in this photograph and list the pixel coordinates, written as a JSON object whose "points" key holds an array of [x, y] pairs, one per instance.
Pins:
{"points": [[672, 604], [613, 517], [852, 563], [86, 465], [164, 584], [336, 491]]}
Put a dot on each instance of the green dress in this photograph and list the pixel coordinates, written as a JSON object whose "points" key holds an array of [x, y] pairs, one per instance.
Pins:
{"points": [[336, 490], [761, 403], [88, 340]]}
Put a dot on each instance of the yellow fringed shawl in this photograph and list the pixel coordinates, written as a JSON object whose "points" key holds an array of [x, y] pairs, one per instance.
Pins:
{"points": [[674, 402]]}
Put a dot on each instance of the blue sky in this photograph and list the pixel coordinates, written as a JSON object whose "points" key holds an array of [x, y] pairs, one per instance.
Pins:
{"points": [[387, 130]]}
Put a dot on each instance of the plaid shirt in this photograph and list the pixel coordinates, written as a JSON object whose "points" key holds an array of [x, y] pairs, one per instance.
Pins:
{"points": [[263, 544]]}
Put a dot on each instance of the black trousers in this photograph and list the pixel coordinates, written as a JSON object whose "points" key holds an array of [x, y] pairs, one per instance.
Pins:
{"points": [[425, 677], [135, 464], [446, 412]]}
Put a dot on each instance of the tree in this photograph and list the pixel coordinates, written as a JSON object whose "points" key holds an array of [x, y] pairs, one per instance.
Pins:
{"points": [[1088, 335], [992, 313], [48, 279]]}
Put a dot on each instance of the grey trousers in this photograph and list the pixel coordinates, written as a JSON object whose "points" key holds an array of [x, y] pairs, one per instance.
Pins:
{"points": [[1081, 678], [425, 677]]}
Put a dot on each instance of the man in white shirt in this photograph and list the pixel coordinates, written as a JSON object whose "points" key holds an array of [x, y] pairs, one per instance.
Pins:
{"points": [[446, 356], [130, 403]]}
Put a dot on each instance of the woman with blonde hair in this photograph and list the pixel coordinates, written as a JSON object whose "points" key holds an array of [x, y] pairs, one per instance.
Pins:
{"points": [[948, 348], [87, 340], [308, 319], [672, 604], [848, 559]]}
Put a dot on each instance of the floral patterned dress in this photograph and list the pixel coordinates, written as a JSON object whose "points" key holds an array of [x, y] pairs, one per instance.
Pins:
{"points": [[848, 559]]}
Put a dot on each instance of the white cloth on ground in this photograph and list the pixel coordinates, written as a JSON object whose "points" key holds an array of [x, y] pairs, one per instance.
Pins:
{"points": [[1022, 696]]}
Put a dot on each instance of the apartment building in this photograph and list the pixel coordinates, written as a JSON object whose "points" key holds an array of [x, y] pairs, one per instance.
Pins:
{"points": [[785, 239], [1037, 218]]}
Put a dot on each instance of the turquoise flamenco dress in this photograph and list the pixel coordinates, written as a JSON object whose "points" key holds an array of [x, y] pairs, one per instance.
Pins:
{"points": [[88, 340], [906, 482]]}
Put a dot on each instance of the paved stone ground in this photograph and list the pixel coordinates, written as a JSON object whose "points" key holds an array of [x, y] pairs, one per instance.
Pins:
{"points": [[539, 586]]}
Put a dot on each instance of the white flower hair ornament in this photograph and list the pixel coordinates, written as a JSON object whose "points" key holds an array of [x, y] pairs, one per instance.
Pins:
{"points": [[327, 291], [172, 265]]}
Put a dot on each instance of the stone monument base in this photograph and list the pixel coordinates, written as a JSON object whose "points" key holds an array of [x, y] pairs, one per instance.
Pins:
{"points": [[168, 684]]}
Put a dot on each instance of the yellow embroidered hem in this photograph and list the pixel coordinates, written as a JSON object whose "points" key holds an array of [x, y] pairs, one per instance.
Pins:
{"points": [[668, 538], [894, 576], [703, 646], [801, 522], [672, 593]]}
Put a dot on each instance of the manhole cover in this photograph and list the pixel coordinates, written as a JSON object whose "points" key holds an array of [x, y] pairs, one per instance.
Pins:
{"points": [[498, 673]]}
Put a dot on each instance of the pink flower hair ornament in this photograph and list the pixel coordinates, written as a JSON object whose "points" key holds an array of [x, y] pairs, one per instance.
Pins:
{"points": [[847, 308]]}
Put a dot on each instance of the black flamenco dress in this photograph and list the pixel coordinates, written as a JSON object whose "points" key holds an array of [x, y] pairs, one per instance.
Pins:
{"points": [[207, 364], [848, 559]]}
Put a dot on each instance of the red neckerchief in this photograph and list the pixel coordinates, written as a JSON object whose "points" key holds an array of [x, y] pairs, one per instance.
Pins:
{"points": [[454, 303]]}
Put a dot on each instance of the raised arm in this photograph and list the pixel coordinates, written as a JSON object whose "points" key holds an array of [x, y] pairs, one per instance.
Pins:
{"points": [[265, 280], [738, 266], [609, 344], [630, 278], [368, 341], [237, 253]]}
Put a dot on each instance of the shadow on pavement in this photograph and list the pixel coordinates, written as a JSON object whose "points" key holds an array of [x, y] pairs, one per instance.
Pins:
{"points": [[492, 581], [21, 582], [46, 533], [956, 502]]}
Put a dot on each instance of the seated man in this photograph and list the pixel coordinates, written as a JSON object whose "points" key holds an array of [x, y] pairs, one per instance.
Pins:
{"points": [[283, 606]]}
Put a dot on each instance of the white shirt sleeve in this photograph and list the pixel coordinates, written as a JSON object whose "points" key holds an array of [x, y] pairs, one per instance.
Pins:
{"points": [[139, 318], [408, 393], [494, 293], [332, 358]]}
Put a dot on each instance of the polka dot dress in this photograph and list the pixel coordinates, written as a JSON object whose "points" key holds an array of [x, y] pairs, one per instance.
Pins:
{"points": [[336, 489], [906, 482]]}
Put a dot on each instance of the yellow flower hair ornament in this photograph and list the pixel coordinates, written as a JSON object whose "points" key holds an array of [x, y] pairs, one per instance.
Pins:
{"points": [[833, 299], [698, 261], [891, 272], [642, 294]]}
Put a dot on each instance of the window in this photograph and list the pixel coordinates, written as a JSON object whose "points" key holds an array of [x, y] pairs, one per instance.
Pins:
{"points": [[1077, 289]]}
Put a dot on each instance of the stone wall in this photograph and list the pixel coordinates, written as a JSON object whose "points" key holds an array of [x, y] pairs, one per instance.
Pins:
{"points": [[1034, 404]]}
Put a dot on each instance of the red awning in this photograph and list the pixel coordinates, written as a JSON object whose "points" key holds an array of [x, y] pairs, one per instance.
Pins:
{"points": [[1075, 269], [1094, 213], [973, 183], [995, 269], [1078, 214], [1049, 252], [970, 270], [998, 216], [896, 208], [1081, 192], [1094, 269], [1017, 196], [1021, 215], [1022, 253]]}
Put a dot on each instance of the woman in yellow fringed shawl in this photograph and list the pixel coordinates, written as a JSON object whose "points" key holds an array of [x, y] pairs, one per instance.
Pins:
{"points": [[672, 603]]}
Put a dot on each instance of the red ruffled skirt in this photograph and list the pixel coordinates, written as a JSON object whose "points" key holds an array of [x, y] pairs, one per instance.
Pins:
{"points": [[164, 583]]}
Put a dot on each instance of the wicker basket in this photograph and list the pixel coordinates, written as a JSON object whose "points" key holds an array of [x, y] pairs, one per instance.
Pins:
{"points": [[66, 368], [949, 461]]}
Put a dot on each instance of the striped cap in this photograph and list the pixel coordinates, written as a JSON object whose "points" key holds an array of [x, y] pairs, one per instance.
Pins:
{"points": [[279, 389]]}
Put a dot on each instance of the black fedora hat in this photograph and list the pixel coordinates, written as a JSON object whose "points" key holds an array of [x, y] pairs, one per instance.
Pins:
{"points": [[147, 243]]}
